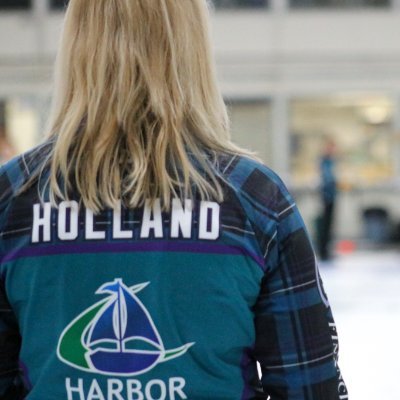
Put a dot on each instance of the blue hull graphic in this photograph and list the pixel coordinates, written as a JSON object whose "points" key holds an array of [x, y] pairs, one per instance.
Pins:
{"points": [[123, 363]]}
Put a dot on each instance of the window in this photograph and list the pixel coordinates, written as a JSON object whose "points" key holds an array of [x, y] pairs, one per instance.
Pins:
{"points": [[338, 3], [240, 3], [15, 4], [251, 126], [58, 4], [361, 128], [20, 124]]}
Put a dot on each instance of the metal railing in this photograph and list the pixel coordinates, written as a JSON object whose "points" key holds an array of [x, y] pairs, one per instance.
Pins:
{"points": [[240, 3], [338, 3], [28, 4], [303, 4], [234, 4]]}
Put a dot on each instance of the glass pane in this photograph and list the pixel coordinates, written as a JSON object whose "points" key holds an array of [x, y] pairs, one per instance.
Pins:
{"points": [[240, 3], [338, 3], [360, 127], [6, 150], [15, 4], [58, 4], [21, 125], [251, 126]]}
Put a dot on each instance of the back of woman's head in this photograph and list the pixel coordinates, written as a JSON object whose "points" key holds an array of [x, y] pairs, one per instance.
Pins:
{"points": [[136, 103]]}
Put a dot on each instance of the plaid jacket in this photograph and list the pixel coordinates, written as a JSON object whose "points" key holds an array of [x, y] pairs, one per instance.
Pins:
{"points": [[253, 294]]}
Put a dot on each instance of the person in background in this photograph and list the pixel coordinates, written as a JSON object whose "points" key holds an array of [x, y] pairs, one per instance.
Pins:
{"points": [[142, 254], [328, 194]]}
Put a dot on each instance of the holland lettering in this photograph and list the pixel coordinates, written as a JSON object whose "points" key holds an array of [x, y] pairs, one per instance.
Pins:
{"points": [[65, 222], [129, 389]]}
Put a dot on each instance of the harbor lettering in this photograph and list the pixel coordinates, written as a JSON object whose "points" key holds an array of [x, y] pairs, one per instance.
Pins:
{"points": [[129, 389]]}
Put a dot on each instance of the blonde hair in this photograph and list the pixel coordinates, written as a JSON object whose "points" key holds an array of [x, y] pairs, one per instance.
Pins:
{"points": [[137, 112]]}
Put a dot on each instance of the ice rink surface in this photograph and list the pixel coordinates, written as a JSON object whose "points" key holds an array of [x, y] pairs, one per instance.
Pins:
{"points": [[364, 292]]}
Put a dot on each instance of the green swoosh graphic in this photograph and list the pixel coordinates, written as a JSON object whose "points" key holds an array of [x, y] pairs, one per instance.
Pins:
{"points": [[70, 347], [174, 353]]}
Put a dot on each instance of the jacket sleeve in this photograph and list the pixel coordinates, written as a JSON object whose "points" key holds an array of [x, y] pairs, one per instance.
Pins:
{"points": [[296, 340], [11, 383]]}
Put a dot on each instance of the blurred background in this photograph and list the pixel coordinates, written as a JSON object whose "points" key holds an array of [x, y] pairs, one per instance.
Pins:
{"points": [[298, 76]]}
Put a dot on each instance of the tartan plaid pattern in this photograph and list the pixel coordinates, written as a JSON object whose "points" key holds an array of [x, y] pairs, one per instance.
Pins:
{"points": [[10, 340], [293, 321], [14, 212]]}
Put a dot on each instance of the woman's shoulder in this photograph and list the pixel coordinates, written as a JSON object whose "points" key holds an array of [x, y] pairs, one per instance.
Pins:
{"points": [[255, 182], [16, 172]]}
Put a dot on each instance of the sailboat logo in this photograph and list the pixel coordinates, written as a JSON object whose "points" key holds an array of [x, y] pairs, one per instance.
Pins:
{"points": [[116, 336]]}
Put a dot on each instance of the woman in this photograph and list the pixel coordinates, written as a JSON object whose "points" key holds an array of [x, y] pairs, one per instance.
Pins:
{"points": [[328, 194], [143, 255]]}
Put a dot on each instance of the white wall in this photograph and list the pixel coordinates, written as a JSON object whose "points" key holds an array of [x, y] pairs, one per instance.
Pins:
{"points": [[259, 51], [307, 52]]}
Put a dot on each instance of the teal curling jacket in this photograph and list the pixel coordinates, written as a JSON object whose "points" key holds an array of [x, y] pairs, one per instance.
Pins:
{"points": [[135, 304]]}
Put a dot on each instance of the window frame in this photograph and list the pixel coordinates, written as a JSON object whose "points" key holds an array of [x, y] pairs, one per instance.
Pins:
{"points": [[242, 7], [19, 8], [337, 7], [57, 8]]}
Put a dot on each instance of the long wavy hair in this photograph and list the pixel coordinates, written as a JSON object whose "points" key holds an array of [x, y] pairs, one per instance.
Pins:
{"points": [[137, 112]]}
